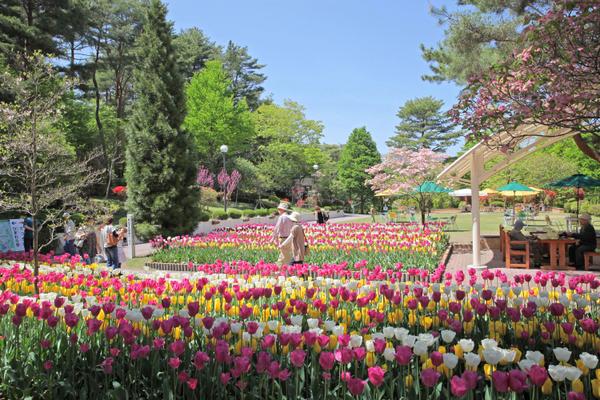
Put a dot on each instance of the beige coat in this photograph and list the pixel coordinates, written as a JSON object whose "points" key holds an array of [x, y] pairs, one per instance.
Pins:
{"points": [[297, 241]]}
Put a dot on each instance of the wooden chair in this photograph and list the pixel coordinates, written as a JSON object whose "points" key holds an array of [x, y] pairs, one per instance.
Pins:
{"points": [[510, 253], [587, 259]]}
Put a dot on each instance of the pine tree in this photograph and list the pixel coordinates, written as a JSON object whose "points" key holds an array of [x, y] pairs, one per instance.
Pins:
{"points": [[423, 126], [160, 156], [357, 155]]}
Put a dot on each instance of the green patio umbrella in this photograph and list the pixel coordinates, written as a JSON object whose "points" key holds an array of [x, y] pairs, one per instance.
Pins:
{"points": [[430, 187], [577, 181], [514, 187]]}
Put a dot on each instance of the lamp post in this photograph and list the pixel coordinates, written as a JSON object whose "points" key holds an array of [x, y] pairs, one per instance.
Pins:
{"points": [[316, 168], [224, 150]]}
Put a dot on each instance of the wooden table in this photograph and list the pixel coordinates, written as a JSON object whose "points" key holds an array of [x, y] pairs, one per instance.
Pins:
{"points": [[558, 253]]}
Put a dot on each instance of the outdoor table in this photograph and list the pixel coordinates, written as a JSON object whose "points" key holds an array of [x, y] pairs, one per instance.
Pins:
{"points": [[558, 253]]}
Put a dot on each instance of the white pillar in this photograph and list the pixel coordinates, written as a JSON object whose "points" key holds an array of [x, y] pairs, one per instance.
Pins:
{"points": [[476, 170], [130, 237]]}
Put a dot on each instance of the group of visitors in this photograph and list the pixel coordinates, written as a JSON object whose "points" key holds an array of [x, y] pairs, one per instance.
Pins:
{"points": [[101, 241], [586, 241], [289, 236]]}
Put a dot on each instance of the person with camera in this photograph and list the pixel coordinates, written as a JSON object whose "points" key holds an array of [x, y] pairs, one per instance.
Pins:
{"points": [[111, 236]]}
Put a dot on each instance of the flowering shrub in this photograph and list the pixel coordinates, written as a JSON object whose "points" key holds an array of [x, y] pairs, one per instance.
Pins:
{"points": [[93, 335], [387, 245]]}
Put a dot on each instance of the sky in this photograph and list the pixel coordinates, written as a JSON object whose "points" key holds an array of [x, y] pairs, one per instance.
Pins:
{"points": [[350, 63]]}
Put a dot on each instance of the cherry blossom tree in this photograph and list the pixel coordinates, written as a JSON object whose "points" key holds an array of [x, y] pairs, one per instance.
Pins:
{"points": [[552, 80], [228, 183], [403, 171], [205, 178]]}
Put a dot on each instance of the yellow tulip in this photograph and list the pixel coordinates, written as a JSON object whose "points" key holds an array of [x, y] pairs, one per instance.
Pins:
{"points": [[596, 388], [577, 386], [408, 380], [547, 387], [370, 359]]}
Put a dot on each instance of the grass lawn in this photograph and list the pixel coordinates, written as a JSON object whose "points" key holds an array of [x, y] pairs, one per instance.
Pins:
{"points": [[489, 223]]}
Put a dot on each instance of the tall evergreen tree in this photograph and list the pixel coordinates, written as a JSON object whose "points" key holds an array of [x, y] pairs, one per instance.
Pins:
{"points": [[161, 169], [245, 75], [357, 155], [424, 125]]}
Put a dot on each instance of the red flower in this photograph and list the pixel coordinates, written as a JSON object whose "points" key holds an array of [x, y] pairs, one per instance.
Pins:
{"points": [[119, 189], [174, 362], [356, 386], [192, 383], [458, 386]]}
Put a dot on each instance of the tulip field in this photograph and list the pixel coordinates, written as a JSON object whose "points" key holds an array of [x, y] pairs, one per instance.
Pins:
{"points": [[386, 245], [344, 329], [90, 334]]}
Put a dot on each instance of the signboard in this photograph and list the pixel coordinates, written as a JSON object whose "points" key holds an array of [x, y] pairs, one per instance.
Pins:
{"points": [[130, 237], [18, 228]]}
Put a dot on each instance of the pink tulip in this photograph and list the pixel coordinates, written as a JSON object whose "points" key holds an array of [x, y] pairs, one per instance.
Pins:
{"points": [[517, 380], [174, 362], [575, 396], [376, 375], [537, 375], [501, 381], [48, 365], [458, 386], [326, 360], [430, 377], [356, 386], [297, 358], [192, 383], [225, 377], [403, 355]]}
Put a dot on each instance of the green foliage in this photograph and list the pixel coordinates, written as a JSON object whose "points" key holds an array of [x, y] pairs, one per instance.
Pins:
{"points": [[145, 231], [220, 214], [243, 71], [424, 125], [235, 214], [161, 169], [536, 170], [193, 50], [213, 116], [359, 153], [584, 207], [250, 213], [204, 216], [568, 150]]}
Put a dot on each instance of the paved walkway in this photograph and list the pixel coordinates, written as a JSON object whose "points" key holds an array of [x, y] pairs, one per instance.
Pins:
{"points": [[462, 257]]}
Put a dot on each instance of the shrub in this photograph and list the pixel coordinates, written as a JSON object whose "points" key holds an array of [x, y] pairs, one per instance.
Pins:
{"points": [[204, 217], [250, 213], [262, 212], [208, 195], [145, 231], [123, 222], [235, 214], [222, 215]]}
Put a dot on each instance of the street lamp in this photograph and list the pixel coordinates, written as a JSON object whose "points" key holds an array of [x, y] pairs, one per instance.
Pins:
{"points": [[316, 168], [224, 150]]}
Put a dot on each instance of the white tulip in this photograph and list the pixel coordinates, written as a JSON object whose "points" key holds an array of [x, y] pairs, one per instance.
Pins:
{"points": [[562, 354], [489, 343], [329, 325], [472, 360], [409, 340], [573, 373], [312, 323], [273, 325], [558, 373], [427, 338], [535, 356], [589, 360], [467, 345], [508, 355], [338, 330], [448, 335], [235, 327], [388, 332], [389, 354], [246, 337], [450, 360], [492, 355], [377, 335], [356, 341], [400, 333], [297, 320], [420, 348], [526, 364]]}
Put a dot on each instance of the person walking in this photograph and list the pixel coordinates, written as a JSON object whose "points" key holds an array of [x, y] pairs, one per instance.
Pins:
{"points": [[69, 227], [586, 241], [296, 240], [111, 237], [321, 216], [373, 212], [28, 234], [281, 232]]}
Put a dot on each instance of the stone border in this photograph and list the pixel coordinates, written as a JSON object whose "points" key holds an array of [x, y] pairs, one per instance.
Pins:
{"points": [[173, 267]]}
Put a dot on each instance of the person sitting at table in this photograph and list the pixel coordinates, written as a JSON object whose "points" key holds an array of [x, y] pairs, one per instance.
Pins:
{"points": [[586, 241], [516, 234]]}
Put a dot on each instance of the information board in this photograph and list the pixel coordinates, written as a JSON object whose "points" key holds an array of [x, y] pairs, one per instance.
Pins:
{"points": [[11, 235]]}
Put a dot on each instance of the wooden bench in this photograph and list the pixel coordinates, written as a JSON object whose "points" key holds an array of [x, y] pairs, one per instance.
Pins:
{"points": [[510, 253], [587, 259]]}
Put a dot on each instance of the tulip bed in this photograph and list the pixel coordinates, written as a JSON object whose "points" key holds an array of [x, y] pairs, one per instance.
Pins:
{"points": [[386, 245], [89, 334]]}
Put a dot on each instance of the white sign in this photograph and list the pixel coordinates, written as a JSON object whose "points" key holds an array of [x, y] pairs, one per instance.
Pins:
{"points": [[18, 228], [11, 235]]}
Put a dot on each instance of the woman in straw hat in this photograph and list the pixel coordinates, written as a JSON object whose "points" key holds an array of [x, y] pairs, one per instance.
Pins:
{"points": [[281, 232], [296, 240]]}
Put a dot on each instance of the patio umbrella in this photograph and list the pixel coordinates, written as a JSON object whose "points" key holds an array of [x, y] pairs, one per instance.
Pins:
{"points": [[385, 193], [511, 190], [489, 191], [577, 181], [430, 187]]}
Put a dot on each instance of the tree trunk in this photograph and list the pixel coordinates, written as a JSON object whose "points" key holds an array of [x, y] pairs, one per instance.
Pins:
{"points": [[36, 256], [588, 150], [98, 120]]}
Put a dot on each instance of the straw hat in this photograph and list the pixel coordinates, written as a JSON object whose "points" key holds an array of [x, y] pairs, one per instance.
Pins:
{"points": [[283, 206], [295, 216], [585, 216]]}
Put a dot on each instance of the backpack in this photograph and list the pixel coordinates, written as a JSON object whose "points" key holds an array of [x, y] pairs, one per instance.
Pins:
{"points": [[112, 238], [325, 216]]}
